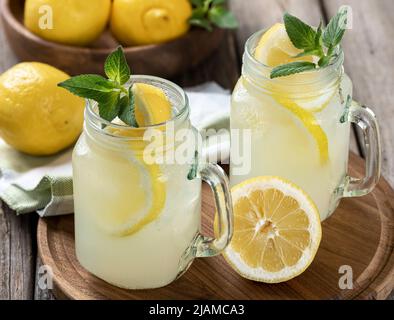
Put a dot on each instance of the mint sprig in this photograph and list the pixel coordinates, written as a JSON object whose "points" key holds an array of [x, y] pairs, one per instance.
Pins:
{"points": [[320, 42], [194, 167], [116, 67], [209, 13], [127, 109], [292, 68], [113, 98]]}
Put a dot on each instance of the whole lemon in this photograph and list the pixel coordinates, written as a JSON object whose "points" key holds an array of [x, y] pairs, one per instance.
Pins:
{"points": [[73, 22], [139, 22], [36, 116]]}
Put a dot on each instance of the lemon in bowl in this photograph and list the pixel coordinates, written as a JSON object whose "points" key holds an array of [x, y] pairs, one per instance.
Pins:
{"points": [[72, 22], [142, 22], [36, 116]]}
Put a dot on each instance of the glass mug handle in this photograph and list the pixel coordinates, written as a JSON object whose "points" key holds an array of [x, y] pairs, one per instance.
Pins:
{"points": [[365, 119], [216, 178]]}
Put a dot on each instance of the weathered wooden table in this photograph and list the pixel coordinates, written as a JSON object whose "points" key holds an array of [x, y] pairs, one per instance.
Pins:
{"points": [[369, 50]]}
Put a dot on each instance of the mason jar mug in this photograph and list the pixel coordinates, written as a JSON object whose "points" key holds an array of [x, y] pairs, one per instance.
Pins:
{"points": [[137, 220], [299, 129]]}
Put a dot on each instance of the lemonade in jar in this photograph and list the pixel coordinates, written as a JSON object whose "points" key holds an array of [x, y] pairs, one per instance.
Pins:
{"points": [[299, 120], [137, 182]]}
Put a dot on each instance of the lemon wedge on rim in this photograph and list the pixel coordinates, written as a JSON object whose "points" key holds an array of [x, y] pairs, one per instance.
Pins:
{"points": [[277, 230], [275, 48], [151, 105]]}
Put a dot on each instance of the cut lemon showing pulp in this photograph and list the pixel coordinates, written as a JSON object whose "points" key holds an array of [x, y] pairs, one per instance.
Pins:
{"points": [[151, 105], [277, 230]]}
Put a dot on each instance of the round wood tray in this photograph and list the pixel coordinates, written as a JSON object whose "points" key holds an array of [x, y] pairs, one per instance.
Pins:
{"points": [[359, 234], [164, 60]]}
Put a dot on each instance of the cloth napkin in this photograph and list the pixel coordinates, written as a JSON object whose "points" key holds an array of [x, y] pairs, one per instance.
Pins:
{"points": [[44, 184]]}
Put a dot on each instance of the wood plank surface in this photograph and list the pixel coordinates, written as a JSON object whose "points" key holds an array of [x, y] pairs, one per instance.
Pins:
{"points": [[41, 293], [17, 255], [369, 54], [17, 234]]}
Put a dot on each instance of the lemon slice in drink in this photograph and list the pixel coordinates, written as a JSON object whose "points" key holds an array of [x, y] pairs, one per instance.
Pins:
{"points": [[275, 48], [138, 199], [277, 230], [142, 196], [309, 121]]}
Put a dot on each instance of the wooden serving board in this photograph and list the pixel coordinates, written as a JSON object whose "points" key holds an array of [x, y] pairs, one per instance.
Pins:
{"points": [[359, 234]]}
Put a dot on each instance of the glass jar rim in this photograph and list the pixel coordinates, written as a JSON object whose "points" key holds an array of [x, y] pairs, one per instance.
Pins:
{"points": [[98, 122], [250, 45]]}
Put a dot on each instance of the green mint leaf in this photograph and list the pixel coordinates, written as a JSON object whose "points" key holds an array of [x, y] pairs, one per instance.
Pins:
{"points": [[127, 110], [193, 170], [222, 18], [113, 99], [207, 4], [97, 88], [116, 67], [198, 13], [89, 86], [201, 23], [301, 35], [292, 68], [207, 13], [109, 105], [197, 3], [218, 2], [324, 61], [305, 53], [345, 116], [319, 37], [335, 30]]}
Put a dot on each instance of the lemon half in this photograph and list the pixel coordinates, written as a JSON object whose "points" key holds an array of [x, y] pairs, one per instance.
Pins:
{"points": [[277, 230]]}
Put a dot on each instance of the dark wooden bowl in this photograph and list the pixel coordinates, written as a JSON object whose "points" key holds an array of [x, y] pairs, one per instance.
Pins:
{"points": [[164, 60]]}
